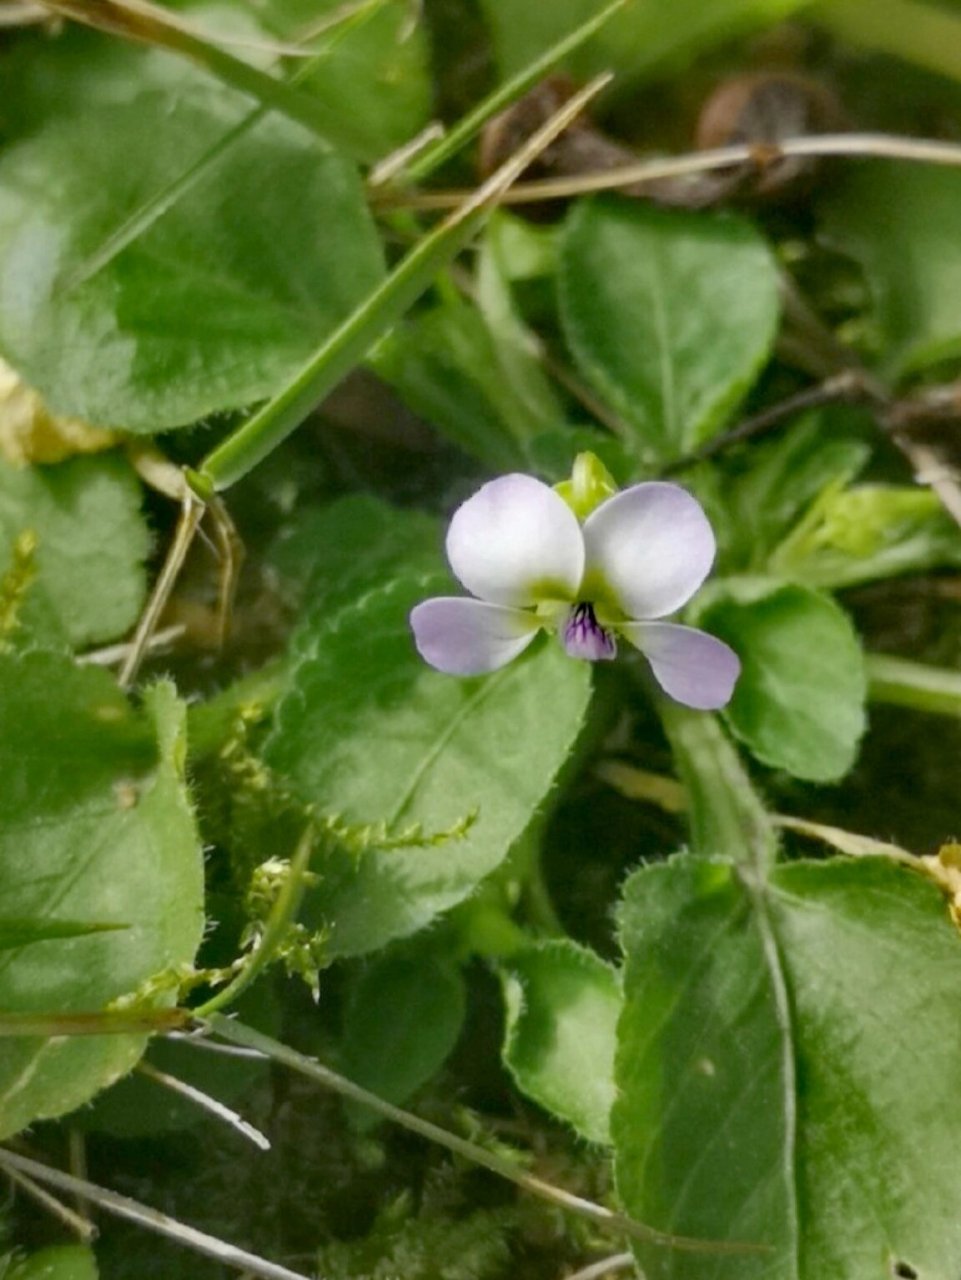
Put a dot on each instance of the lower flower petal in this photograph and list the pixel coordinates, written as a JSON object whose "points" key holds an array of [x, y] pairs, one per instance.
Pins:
{"points": [[689, 665], [463, 637]]}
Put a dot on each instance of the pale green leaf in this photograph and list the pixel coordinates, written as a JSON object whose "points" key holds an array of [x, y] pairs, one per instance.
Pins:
{"points": [[95, 824], [367, 730], [867, 533], [799, 701], [787, 1055], [563, 1003], [670, 316], [92, 541], [212, 308], [59, 1262]]}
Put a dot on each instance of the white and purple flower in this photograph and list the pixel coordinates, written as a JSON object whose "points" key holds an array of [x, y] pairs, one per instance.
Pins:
{"points": [[529, 564]]}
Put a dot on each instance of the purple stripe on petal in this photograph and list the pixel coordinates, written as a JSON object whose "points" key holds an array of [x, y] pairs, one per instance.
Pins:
{"points": [[689, 665], [648, 548], [584, 637], [516, 542], [463, 637]]}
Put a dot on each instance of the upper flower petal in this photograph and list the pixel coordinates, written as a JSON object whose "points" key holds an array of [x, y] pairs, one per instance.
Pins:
{"points": [[689, 665], [516, 542], [648, 549], [468, 637]]}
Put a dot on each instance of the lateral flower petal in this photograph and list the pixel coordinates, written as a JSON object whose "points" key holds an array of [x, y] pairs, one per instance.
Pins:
{"points": [[648, 549], [689, 665], [463, 637], [516, 542]]}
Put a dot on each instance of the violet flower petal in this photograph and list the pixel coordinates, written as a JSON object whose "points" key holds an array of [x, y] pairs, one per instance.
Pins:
{"points": [[464, 637], [689, 665], [516, 542], [648, 549]]}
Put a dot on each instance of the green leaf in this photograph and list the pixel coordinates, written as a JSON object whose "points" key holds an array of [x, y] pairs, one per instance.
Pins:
{"points": [[786, 1057], [59, 1262], [95, 824], [799, 702], [403, 1016], [900, 221], [563, 1003], [375, 71], [669, 314], [782, 478], [643, 39], [334, 553], [92, 541], [217, 304], [367, 730], [444, 363], [867, 533]]}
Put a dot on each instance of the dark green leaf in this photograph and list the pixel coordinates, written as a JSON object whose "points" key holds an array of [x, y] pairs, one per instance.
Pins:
{"points": [[367, 730], [91, 544], [780, 1052], [95, 824], [900, 222], [670, 316], [217, 304], [403, 1018], [563, 1004], [799, 702], [444, 364]]}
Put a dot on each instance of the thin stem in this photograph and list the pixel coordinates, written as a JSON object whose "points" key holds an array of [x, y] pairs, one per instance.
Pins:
{"points": [[668, 795], [152, 1219], [282, 915], [81, 1227], [191, 513], [348, 344], [112, 654], [726, 817], [238, 1033], [121, 1023], [471, 124], [205, 1102], [904, 683], [858, 145], [599, 1270]]}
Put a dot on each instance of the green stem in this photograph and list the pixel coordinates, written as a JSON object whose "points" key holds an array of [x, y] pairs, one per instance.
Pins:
{"points": [[726, 816], [923, 34], [349, 343], [432, 157], [914, 684], [281, 917], [120, 1023]]}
